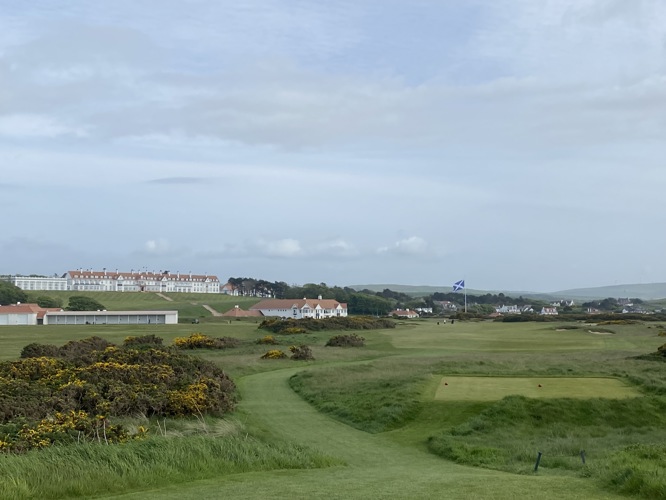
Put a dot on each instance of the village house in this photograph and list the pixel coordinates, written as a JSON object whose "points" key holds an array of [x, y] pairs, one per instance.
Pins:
{"points": [[548, 311], [508, 309], [404, 313]]}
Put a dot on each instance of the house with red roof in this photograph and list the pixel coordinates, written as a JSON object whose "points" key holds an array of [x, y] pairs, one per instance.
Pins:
{"points": [[301, 308]]}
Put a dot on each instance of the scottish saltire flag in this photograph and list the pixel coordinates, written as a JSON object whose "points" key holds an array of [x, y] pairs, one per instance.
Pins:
{"points": [[459, 285]]}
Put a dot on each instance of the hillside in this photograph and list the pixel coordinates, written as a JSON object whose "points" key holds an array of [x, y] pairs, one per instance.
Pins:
{"points": [[188, 305], [647, 291]]}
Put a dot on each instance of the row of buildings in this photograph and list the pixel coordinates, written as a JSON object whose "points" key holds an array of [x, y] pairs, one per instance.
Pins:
{"points": [[115, 281], [32, 314]]}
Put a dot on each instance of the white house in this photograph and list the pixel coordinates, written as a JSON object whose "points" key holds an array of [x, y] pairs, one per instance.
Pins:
{"points": [[508, 309], [30, 283], [549, 311], [229, 289], [404, 313], [301, 308], [106, 281]]}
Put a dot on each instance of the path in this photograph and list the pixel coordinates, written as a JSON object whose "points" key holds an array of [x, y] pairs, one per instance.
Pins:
{"points": [[377, 466], [212, 311], [164, 296]]}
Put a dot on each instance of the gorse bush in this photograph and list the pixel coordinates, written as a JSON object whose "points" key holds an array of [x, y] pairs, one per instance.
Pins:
{"points": [[285, 326], [301, 352], [267, 340], [144, 340], [201, 341], [351, 340], [94, 377], [274, 354]]}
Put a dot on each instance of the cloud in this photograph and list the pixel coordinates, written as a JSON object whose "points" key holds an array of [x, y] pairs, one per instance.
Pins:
{"points": [[286, 248], [334, 247], [179, 180], [19, 126], [414, 245], [159, 246]]}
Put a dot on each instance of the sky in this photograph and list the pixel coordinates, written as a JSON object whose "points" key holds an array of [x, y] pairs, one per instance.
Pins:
{"points": [[518, 145]]}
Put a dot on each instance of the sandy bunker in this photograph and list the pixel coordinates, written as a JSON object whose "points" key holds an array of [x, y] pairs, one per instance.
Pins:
{"points": [[454, 388]]}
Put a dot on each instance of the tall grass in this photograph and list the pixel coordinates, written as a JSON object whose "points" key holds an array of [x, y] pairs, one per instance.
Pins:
{"points": [[87, 470], [613, 434]]}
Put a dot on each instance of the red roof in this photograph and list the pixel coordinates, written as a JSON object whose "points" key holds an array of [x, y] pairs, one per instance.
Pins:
{"points": [[142, 276], [237, 312], [28, 309]]}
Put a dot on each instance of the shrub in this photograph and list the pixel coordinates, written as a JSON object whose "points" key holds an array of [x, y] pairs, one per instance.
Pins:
{"points": [[281, 326], [351, 340], [144, 340], [39, 394], [301, 352], [274, 354], [293, 331], [201, 341], [268, 340], [35, 350]]}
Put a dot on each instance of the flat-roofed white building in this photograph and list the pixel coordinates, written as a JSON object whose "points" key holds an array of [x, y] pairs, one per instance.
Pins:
{"points": [[106, 281], [30, 283]]}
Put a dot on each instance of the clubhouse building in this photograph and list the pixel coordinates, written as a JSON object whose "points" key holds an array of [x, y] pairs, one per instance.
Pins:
{"points": [[301, 308]]}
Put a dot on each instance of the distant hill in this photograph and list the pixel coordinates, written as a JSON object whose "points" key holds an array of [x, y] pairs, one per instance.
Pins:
{"points": [[644, 291], [647, 291]]}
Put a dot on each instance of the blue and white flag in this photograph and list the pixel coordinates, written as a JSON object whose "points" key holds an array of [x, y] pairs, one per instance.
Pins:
{"points": [[459, 285]]}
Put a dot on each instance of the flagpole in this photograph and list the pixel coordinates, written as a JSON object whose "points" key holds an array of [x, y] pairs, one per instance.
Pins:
{"points": [[465, 290]]}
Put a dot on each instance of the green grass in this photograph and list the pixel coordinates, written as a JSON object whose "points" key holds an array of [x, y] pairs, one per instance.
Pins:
{"points": [[494, 388], [188, 305], [389, 387], [88, 470]]}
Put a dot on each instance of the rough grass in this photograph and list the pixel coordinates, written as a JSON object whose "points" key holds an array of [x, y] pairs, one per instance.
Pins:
{"points": [[371, 397], [508, 435], [88, 470]]}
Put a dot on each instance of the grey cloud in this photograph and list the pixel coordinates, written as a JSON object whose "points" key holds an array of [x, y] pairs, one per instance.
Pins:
{"points": [[179, 180]]}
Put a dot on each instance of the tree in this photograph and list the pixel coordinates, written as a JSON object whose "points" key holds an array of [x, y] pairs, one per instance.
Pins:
{"points": [[46, 301], [11, 294], [81, 303]]}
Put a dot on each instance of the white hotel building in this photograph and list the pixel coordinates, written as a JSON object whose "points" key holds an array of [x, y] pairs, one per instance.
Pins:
{"points": [[30, 283], [106, 281]]}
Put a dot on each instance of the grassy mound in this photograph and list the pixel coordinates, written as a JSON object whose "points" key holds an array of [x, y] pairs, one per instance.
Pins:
{"points": [[371, 397], [508, 434]]}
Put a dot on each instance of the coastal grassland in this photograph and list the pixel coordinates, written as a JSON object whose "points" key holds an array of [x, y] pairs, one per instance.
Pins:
{"points": [[507, 434], [369, 413]]}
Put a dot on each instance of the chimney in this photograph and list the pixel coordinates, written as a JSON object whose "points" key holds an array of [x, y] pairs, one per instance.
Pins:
{"points": [[319, 297]]}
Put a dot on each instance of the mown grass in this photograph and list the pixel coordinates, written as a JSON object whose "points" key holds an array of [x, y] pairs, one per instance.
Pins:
{"points": [[88, 470]]}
